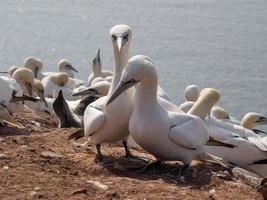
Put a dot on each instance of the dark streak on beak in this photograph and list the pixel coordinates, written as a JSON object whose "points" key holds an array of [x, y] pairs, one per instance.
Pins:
{"points": [[35, 72], [29, 88], [72, 68], [88, 91], [42, 97], [262, 121], [121, 87]]}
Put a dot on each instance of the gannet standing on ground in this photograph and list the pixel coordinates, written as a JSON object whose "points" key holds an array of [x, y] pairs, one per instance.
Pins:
{"points": [[97, 69], [191, 96], [249, 152], [109, 124], [166, 135]]}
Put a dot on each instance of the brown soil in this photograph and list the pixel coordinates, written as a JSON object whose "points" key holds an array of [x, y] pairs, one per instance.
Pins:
{"points": [[39, 163]]}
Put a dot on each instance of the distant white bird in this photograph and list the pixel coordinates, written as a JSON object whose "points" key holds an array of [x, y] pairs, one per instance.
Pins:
{"points": [[57, 82], [24, 78], [97, 69], [249, 121], [250, 150], [252, 119], [13, 89], [166, 135], [219, 113], [12, 69], [191, 96], [192, 93], [8, 88], [36, 65]]}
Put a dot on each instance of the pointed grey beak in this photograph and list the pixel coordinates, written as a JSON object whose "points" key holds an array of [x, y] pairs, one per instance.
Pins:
{"points": [[29, 88], [3, 72], [88, 91], [72, 68], [120, 43], [42, 97], [98, 54], [35, 72], [121, 87]]}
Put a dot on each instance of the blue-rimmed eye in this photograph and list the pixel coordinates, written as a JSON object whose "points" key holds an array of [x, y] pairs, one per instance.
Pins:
{"points": [[125, 38], [114, 38]]}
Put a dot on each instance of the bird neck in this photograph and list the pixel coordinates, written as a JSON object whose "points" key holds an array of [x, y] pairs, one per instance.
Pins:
{"points": [[202, 107], [121, 60], [146, 94], [97, 70]]}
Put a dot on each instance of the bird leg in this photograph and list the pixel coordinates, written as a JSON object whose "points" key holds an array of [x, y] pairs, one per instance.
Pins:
{"points": [[129, 155], [183, 168], [99, 156]]}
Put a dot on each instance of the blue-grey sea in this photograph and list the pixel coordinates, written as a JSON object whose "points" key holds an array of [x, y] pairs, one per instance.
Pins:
{"points": [[221, 44]]}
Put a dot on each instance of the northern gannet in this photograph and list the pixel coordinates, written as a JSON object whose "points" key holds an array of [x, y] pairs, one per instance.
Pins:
{"points": [[24, 77], [219, 113], [250, 150], [97, 69], [12, 69], [166, 135], [252, 119], [191, 96], [36, 65], [109, 124], [56, 82], [65, 66]]}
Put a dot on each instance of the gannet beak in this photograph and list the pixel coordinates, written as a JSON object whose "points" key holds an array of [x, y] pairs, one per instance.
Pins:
{"points": [[29, 88], [120, 43], [88, 91], [98, 54], [9, 120], [72, 68], [3, 72], [42, 97], [262, 121], [121, 87], [35, 72]]}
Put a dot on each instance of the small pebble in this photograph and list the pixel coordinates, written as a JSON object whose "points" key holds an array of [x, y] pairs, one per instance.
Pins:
{"points": [[212, 192], [5, 167], [3, 156]]}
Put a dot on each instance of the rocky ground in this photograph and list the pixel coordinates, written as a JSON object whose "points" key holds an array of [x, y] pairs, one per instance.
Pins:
{"points": [[38, 162]]}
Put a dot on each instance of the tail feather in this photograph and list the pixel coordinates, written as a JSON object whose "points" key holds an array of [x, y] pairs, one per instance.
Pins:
{"points": [[76, 135], [214, 142]]}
